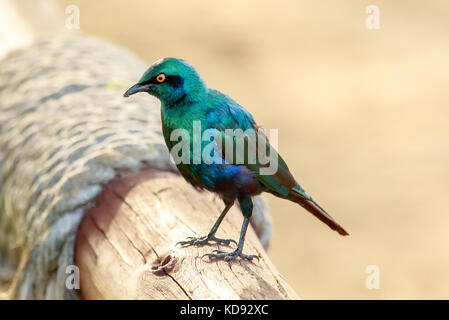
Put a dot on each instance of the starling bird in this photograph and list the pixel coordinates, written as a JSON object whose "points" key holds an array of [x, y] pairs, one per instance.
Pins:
{"points": [[187, 103]]}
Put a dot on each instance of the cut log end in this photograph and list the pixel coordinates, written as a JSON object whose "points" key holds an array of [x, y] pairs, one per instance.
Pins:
{"points": [[126, 246]]}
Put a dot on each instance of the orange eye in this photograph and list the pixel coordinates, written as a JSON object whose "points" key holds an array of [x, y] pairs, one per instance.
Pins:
{"points": [[161, 78]]}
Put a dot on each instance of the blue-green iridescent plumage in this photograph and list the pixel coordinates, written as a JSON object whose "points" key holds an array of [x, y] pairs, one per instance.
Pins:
{"points": [[185, 98]]}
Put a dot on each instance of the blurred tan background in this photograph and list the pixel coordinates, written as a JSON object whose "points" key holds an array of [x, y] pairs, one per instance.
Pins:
{"points": [[363, 119]]}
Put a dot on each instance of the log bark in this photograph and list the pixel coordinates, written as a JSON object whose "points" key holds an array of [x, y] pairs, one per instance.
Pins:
{"points": [[126, 245]]}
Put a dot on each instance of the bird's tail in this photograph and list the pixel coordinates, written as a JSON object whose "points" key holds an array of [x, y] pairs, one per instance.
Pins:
{"points": [[317, 211]]}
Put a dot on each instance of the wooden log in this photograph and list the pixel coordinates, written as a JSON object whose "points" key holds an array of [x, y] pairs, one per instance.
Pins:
{"points": [[125, 246]]}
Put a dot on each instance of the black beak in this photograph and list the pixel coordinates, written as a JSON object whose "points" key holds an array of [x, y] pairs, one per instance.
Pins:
{"points": [[136, 88]]}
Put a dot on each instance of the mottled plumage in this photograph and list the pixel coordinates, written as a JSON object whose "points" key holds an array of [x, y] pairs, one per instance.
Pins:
{"points": [[185, 98]]}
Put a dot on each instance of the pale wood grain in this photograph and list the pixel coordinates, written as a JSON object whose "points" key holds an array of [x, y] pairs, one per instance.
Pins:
{"points": [[126, 246]]}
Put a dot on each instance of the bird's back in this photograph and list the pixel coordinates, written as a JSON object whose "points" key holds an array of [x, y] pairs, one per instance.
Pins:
{"points": [[227, 114]]}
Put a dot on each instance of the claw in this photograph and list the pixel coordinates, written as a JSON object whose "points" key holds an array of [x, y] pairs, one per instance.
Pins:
{"points": [[228, 256], [203, 240], [250, 257]]}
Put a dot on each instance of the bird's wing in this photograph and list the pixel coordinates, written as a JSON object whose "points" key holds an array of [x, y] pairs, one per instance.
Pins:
{"points": [[230, 115]]}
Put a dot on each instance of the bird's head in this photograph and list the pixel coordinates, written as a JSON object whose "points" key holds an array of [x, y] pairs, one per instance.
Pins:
{"points": [[170, 80]]}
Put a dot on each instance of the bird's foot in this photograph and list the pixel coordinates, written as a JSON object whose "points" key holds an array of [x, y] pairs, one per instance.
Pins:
{"points": [[193, 241], [228, 256]]}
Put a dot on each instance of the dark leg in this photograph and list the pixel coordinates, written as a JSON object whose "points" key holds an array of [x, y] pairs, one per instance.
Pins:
{"points": [[246, 205], [211, 236]]}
